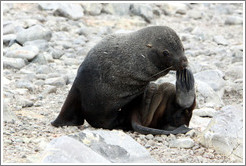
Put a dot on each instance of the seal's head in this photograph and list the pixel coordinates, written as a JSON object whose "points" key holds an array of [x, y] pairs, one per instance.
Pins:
{"points": [[169, 48]]}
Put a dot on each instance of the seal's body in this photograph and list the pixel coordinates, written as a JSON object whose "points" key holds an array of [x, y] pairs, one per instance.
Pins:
{"points": [[116, 71]]}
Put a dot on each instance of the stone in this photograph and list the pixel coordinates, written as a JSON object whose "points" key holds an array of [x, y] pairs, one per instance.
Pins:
{"points": [[214, 78], [235, 71], [16, 63], [115, 146], [225, 132], [40, 59], [35, 32], [172, 8], [26, 52], [7, 38], [93, 9], [195, 14], [142, 10], [56, 54], [57, 81], [206, 96], [69, 10], [119, 9], [43, 69], [68, 150], [205, 112], [220, 40], [41, 44], [23, 83], [237, 56], [8, 28], [234, 20], [182, 143], [8, 115], [24, 103]]}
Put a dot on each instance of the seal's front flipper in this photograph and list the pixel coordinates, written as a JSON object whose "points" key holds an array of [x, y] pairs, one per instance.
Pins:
{"points": [[71, 113]]}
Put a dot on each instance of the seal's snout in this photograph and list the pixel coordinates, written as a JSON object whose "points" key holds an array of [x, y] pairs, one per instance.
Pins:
{"points": [[183, 62]]}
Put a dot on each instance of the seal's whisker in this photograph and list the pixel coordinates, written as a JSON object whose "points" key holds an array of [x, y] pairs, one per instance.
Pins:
{"points": [[161, 71]]}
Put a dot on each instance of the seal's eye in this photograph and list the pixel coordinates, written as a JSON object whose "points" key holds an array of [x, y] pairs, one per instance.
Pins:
{"points": [[165, 53]]}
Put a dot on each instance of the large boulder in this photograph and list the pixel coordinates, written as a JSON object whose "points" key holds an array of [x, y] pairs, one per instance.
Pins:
{"points": [[225, 132], [100, 146]]}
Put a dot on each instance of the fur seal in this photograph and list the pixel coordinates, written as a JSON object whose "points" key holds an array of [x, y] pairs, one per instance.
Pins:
{"points": [[165, 109], [117, 70]]}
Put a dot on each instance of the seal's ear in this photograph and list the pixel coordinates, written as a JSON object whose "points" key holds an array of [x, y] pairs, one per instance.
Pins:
{"points": [[165, 53]]}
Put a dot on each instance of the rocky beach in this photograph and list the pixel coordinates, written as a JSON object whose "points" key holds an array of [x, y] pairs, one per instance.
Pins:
{"points": [[53, 40]]}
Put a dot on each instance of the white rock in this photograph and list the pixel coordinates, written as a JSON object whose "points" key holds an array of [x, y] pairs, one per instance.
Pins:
{"points": [[16, 63], [220, 40], [26, 52], [69, 10], [205, 112], [92, 8], [182, 143]]}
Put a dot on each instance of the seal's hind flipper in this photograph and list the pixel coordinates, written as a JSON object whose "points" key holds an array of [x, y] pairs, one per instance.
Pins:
{"points": [[71, 113]]}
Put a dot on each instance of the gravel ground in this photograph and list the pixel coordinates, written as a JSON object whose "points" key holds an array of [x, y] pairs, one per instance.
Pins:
{"points": [[37, 104]]}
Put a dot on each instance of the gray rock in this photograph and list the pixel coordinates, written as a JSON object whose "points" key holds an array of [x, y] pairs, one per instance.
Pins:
{"points": [[117, 8], [220, 40], [8, 28], [26, 52], [33, 33], [40, 59], [115, 146], [142, 10], [69, 10], [44, 69], [8, 115], [41, 44], [16, 63], [57, 54], [225, 132], [214, 78], [206, 96], [195, 14], [48, 6], [172, 8], [7, 38], [205, 112], [68, 150], [237, 56], [57, 81], [24, 103], [182, 143], [23, 83], [234, 20], [235, 71], [93, 9]]}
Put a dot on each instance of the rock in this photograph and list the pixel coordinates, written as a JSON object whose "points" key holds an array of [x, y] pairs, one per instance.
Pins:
{"points": [[68, 150], [44, 69], [205, 112], [172, 8], [214, 78], [8, 115], [24, 103], [48, 6], [7, 38], [16, 63], [40, 59], [237, 56], [8, 28], [69, 10], [93, 9], [23, 83], [49, 89], [225, 132], [57, 81], [35, 32], [41, 44], [235, 71], [142, 10], [119, 9], [57, 54], [26, 52], [182, 143], [220, 40], [195, 14], [115, 146], [206, 96], [234, 20]]}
